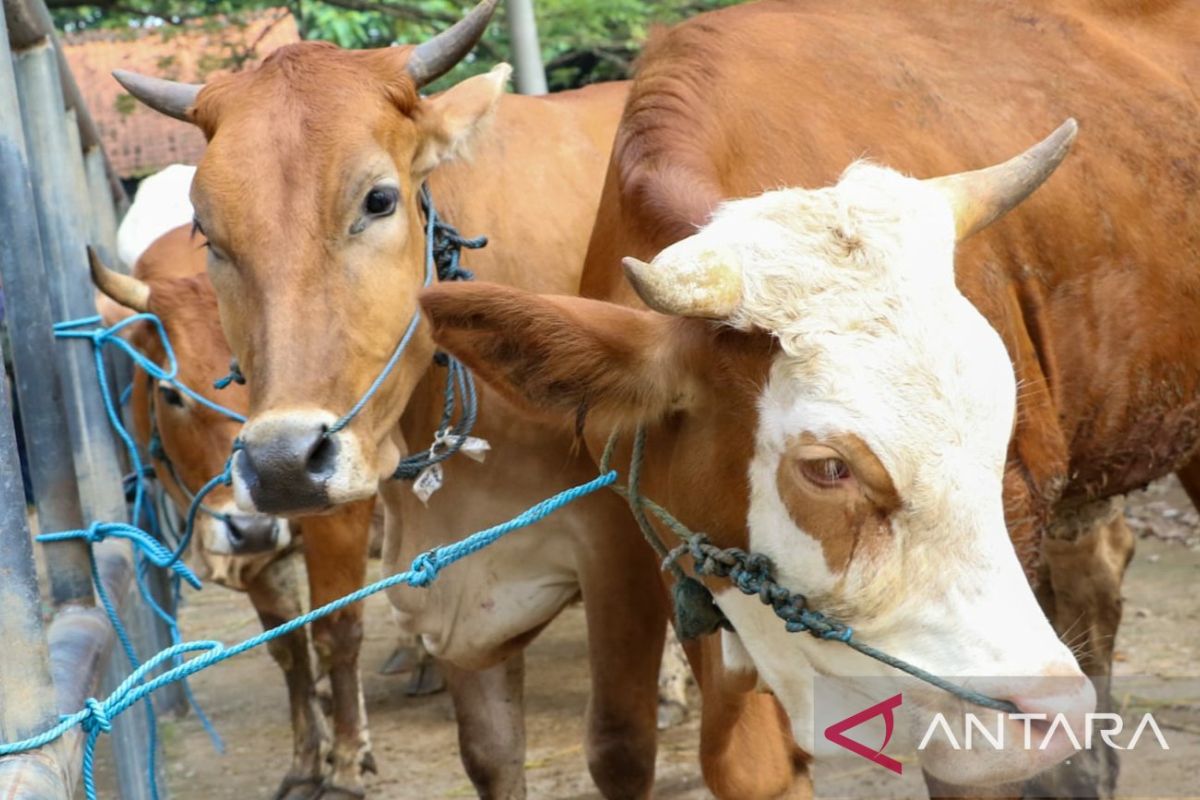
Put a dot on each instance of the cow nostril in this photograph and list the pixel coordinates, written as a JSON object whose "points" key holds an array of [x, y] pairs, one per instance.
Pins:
{"points": [[237, 536], [321, 454]]}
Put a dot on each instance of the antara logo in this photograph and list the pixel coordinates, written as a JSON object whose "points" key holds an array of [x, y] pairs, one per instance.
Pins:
{"points": [[1107, 725], [886, 709]]}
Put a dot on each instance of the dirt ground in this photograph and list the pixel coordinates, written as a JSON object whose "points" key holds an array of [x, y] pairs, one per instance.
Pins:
{"points": [[414, 738]]}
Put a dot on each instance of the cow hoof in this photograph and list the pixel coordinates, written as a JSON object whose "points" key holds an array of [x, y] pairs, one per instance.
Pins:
{"points": [[404, 658], [427, 679], [298, 789], [670, 714], [367, 764], [332, 791]]}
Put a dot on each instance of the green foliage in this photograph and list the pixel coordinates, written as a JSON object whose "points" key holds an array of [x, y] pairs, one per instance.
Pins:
{"points": [[583, 41]]}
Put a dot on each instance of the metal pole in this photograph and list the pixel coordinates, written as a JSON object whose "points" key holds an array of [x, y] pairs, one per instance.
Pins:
{"points": [[56, 172], [53, 169], [530, 75], [51, 465], [26, 692], [29, 22], [104, 212]]}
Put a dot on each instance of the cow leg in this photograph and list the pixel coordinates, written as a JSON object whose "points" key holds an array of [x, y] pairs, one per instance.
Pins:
{"points": [[1189, 477], [335, 550], [746, 747], [410, 656], [1083, 563], [626, 611], [275, 593], [489, 706], [673, 678]]}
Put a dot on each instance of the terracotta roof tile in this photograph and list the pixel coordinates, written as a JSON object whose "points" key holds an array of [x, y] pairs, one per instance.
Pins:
{"points": [[140, 141]]}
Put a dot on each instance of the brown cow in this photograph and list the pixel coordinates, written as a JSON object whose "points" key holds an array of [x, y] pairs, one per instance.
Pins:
{"points": [[253, 553], [308, 195], [1090, 286]]}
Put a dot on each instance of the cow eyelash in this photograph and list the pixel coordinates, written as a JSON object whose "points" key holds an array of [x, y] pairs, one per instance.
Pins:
{"points": [[197, 229], [826, 472]]}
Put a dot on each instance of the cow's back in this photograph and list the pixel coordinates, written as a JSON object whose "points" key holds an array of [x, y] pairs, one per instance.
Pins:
{"points": [[532, 185], [1084, 279]]}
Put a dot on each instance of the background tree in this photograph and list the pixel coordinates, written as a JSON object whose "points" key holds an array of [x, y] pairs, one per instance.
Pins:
{"points": [[583, 41]]}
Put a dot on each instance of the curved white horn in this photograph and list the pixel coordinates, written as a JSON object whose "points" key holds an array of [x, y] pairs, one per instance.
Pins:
{"points": [[167, 97], [439, 55], [982, 196], [125, 290], [708, 291]]}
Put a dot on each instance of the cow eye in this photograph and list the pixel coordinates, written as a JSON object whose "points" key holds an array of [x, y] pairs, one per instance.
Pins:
{"points": [[171, 396], [825, 471], [381, 201]]}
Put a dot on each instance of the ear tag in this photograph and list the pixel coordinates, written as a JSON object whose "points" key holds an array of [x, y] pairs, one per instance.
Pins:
{"points": [[472, 447], [696, 614], [427, 482], [475, 448]]}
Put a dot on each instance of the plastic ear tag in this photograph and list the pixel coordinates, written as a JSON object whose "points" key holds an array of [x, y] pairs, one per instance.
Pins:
{"points": [[475, 448], [428, 481], [472, 447]]}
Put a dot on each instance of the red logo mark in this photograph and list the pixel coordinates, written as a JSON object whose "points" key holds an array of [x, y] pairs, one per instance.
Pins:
{"points": [[836, 733]]}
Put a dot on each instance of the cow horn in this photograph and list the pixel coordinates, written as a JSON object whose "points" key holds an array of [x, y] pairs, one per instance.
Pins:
{"points": [[168, 97], [708, 291], [124, 289], [439, 55], [981, 197]]}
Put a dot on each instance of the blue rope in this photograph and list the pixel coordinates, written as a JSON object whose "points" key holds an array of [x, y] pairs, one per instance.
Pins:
{"points": [[96, 716], [234, 376], [100, 337], [103, 336], [443, 252]]}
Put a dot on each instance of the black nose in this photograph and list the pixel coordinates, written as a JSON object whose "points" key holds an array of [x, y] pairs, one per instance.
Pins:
{"points": [[252, 533], [287, 469]]}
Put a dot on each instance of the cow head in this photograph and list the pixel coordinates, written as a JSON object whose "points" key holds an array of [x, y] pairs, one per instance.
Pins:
{"points": [[194, 441], [849, 417], [308, 196]]}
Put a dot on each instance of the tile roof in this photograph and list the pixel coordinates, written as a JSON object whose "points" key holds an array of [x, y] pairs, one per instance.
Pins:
{"points": [[140, 141]]}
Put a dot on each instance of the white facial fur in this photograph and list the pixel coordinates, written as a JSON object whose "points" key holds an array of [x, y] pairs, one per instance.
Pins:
{"points": [[857, 283]]}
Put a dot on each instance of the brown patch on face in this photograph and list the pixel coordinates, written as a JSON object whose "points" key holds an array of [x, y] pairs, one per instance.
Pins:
{"points": [[848, 518]]}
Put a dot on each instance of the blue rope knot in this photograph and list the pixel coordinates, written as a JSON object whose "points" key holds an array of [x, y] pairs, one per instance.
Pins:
{"points": [[235, 376], [424, 569], [95, 533], [96, 717]]}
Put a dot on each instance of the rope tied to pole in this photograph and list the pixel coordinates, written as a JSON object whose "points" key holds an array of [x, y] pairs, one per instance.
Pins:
{"points": [[97, 715], [151, 548]]}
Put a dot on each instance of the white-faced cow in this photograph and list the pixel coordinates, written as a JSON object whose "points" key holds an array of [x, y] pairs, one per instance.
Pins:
{"points": [[861, 412]]}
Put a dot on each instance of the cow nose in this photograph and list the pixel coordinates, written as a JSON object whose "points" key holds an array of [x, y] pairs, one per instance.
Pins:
{"points": [[286, 464], [1073, 696], [1056, 701], [252, 533]]}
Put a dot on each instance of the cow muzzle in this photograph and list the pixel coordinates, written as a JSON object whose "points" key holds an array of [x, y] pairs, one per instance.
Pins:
{"points": [[289, 463]]}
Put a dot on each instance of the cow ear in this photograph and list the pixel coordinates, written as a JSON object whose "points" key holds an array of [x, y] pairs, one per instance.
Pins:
{"points": [[451, 120], [111, 312], [564, 357]]}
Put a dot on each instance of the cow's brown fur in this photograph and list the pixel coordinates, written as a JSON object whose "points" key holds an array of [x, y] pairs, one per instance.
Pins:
{"points": [[198, 445], [1091, 283], [292, 273]]}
